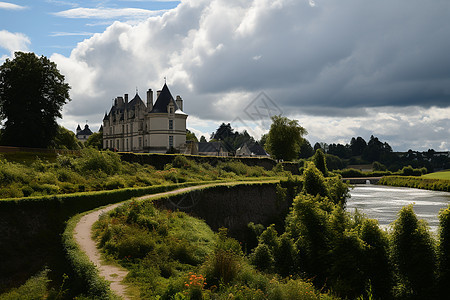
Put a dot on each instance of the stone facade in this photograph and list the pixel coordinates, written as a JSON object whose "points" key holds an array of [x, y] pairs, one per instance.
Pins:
{"points": [[134, 126]]}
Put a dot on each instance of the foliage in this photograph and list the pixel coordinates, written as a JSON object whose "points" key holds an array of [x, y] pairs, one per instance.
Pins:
{"points": [[66, 139], [35, 288], [231, 139], [320, 162], [88, 278], [443, 253], [413, 256], [306, 150], [190, 136], [376, 264], [284, 138], [417, 182], [95, 141], [216, 269], [314, 181], [32, 93]]}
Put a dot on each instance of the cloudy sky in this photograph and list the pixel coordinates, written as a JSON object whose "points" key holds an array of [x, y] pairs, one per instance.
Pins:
{"points": [[342, 68]]}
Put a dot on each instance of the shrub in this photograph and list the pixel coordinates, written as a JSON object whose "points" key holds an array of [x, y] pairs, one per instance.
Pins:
{"points": [[262, 258], [320, 162], [307, 225], [444, 253], [93, 160], [314, 182], [413, 255], [375, 264]]}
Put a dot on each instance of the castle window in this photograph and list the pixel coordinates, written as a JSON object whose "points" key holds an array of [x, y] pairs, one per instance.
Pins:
{"points": [[170, 124], [140, 143], [171, 110], [170, 141]]}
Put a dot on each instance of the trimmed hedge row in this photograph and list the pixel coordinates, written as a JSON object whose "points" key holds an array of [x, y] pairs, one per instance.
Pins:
{"points": [[88, 278], [79, 202], [417, 182], [160, 160], [87, 275]]}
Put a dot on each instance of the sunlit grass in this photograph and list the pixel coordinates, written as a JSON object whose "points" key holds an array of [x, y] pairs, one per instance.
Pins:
{"points": [[438, 175]]}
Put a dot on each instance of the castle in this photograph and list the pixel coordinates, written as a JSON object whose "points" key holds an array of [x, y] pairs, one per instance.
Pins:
{"points": [[138, 127]]}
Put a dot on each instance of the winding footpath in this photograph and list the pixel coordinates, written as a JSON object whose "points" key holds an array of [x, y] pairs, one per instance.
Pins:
{"points": [[83, 236]]}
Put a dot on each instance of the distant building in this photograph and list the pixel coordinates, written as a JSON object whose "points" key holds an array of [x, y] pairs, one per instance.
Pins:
{"points": [[254, 150], [211, 149], [138, 127], [83, 135]]}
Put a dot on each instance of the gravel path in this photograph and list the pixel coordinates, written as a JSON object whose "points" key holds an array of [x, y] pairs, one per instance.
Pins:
{"points": [[83, 236]]}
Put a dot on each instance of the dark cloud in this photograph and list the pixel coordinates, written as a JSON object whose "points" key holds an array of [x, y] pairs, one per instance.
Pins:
{"points": [[333, 59]]}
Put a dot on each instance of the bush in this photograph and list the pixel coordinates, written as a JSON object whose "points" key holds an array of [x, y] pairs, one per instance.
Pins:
{"points": [[413, 256], [314, 182], [444, 253], [320, 162], [93, 160]]}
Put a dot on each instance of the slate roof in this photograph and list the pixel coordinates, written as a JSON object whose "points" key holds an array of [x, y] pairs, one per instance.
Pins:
{"points": [[209, 147], [256, 149], [131, 106], [85, 131], [164, 98]]}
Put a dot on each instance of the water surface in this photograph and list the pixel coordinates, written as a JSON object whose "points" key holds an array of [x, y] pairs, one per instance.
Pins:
{"points": [[383, 202]]}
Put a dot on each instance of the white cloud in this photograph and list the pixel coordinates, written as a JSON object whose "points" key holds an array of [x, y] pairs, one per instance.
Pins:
{"points": [[11, 6], [54, 34], [308, 56], [14, 41], [107, 13]]}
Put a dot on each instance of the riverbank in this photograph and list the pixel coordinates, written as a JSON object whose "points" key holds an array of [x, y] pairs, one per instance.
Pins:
{"points": [[442, 185]]}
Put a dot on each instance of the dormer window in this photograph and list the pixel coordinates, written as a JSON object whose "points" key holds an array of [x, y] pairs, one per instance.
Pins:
{"points": [[171, 110]]}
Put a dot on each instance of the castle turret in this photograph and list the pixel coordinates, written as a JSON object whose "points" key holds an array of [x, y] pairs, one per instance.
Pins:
{"points": [[179, 102], [149, 100], [78, 129]]}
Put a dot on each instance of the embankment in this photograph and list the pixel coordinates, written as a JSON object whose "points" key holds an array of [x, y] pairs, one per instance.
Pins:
{"points": [[417, 182]]}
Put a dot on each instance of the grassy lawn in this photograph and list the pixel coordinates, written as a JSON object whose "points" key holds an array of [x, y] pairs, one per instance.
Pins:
{"points": [[438, 175]]}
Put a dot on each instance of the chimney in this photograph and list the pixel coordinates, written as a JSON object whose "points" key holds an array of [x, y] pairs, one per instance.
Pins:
{"points": [[179, 102], [157, 94], [126, 99], [149, 100]]}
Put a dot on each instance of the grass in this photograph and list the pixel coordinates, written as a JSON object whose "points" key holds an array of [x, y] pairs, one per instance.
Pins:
{"points": [[438, 175], [171, 255], [93, 170]]}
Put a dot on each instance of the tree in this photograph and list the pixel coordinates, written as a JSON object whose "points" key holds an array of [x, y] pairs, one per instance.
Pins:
{"points": [[203, 139], [413, 255], [66, 139], [285, 137], [190, 136], [32, 93], [444, 253], [263, 140], [95, 140], [306, 150], [320, 162], [357, 146]]}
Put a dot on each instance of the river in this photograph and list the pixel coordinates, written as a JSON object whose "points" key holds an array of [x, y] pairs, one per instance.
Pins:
{"points": [[383, 203]]}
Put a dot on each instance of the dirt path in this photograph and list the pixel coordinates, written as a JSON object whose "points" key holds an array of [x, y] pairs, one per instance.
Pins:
{"points": [[83, 236]]}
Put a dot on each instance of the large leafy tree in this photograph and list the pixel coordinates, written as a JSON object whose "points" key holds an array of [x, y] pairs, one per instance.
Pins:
{"points": [[32, 93], [285, 138]]}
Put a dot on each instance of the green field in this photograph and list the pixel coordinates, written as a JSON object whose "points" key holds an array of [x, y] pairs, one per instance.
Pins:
{"points": [[438, 175]]}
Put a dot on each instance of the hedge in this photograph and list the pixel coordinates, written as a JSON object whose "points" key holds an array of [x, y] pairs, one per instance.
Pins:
{"points": [[417, 182], [88, 277]]}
